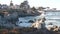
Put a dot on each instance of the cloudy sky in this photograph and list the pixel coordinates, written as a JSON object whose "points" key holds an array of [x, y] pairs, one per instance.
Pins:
{"points": [[36, 3]]}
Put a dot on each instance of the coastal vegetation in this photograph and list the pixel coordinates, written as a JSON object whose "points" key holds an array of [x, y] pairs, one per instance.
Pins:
{"points": [[28, 31]]}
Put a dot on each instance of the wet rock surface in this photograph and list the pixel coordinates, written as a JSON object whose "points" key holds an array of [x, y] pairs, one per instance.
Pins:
{"points": [[8, 21], [30, 21]]}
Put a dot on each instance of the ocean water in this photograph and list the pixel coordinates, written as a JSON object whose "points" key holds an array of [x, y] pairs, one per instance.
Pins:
{"points": [[25, 20], [51, 17]]}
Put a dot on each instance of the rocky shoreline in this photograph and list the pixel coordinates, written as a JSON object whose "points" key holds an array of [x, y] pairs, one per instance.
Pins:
{"points": [[27, 31]]}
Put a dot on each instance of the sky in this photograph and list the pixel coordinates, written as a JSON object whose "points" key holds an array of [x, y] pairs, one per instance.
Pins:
{"points": [[36, 3]]}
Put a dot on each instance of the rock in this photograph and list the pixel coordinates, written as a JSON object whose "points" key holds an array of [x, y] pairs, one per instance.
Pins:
{"points": [[30, 21]]}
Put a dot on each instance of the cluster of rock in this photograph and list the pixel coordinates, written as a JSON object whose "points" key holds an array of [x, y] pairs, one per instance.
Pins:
{"points": [[8, 20], [54, 28], [23, 9], [9, 15]]}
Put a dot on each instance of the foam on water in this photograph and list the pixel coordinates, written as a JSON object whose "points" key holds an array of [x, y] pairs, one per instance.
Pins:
{"points": [[51, 17]]}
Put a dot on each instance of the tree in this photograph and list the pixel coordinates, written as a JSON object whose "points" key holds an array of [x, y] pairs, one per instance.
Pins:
{"points": [[41, 8], [33, 8]]}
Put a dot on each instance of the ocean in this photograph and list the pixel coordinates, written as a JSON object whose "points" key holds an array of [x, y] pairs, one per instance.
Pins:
{"points": [[51, 17]]}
